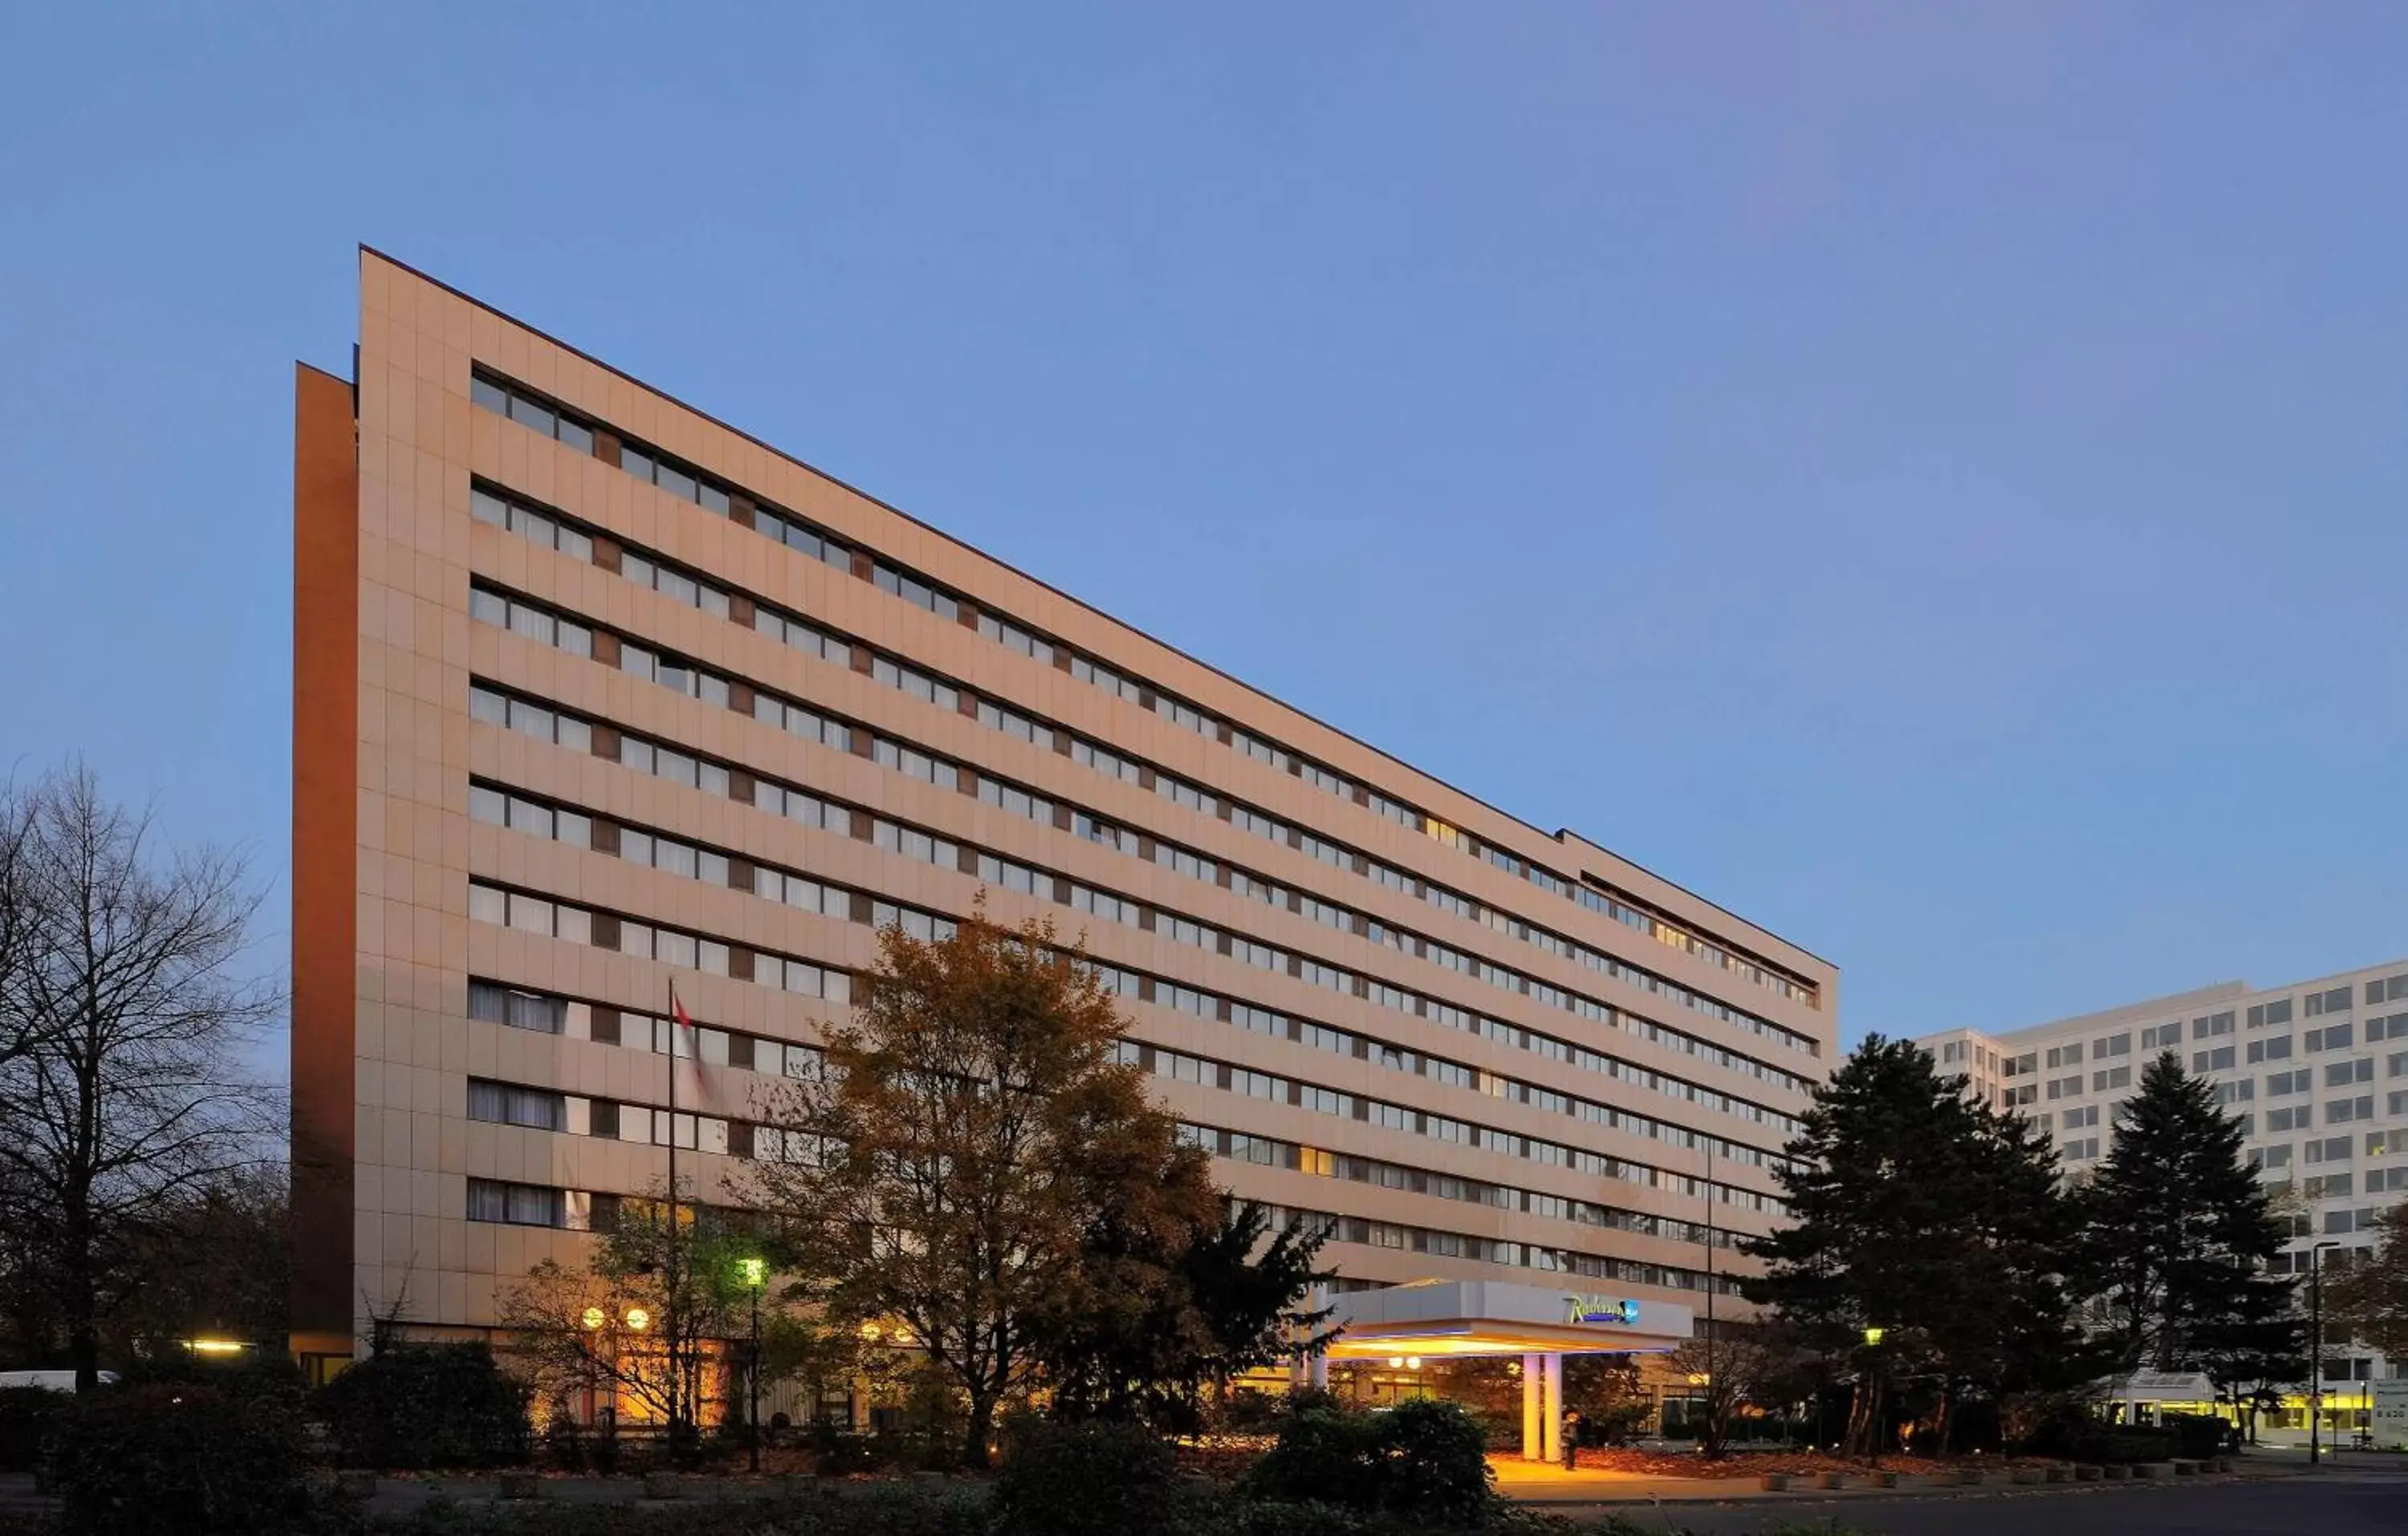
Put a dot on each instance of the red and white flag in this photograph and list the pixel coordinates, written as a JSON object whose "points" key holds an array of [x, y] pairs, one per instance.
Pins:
{"points": [[689, 1044]]}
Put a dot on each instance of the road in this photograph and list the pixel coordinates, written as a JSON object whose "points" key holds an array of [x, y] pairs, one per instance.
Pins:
{"points": [[2337, 1502]]}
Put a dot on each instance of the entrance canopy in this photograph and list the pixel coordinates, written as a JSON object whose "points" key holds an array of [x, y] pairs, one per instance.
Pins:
{"points": [[1433, 1318]]}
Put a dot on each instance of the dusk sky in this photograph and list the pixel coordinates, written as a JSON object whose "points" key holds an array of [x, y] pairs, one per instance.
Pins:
{"points": [[1927, 479]]}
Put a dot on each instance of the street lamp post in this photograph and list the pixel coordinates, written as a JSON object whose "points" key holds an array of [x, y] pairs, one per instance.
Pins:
{"points": [[756, 1277], [1872, 1399], [2316, 1351]]}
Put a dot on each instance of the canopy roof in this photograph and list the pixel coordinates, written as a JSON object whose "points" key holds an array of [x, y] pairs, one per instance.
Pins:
{"points": [[1442, 1317]]}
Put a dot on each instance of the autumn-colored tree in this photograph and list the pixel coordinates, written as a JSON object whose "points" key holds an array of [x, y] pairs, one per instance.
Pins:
{"points": [[974, 1130]]}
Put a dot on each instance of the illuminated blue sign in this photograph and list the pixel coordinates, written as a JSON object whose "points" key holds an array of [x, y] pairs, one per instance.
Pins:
{"points": [[1601, 1309]]}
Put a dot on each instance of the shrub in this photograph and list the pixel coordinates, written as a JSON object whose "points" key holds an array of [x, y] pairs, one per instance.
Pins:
{"points": [[427, 1406], [1423, 1459], [1088, 1479], [181, 1461], [28, 1415], [2198, 1436]]}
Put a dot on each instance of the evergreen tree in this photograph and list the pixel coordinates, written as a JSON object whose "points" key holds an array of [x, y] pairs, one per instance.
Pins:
{"points": [[2177, 1231], [1923, 1214]]}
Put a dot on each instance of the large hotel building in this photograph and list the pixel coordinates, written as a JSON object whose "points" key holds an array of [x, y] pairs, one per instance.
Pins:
{"points": [[2316, 1073], [594, 694]]}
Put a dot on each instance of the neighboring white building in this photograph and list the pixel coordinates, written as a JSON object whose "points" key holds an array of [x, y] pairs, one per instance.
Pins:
{"points": [[2317, 1071]]}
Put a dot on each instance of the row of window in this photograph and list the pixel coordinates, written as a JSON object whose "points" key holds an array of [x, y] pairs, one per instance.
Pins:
{"points": [[490, 705], [609, 1025], [1182, 1066], [692, 485], [575, 1114], [494, 904], [532, 1205], [2338, 1112], [536, 622], [548, 918], [808, 894]]}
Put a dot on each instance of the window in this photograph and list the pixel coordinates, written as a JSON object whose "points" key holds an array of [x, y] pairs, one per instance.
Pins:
{"points": [[506, 1105], [516, 1204], [2341, 1111], [2339, 1074], [2390, 989], [518, 1009], [2265, 1015], [2278, 1084], [2202, 1061], [531, 413], [2332, 1036], [2119, 1077], [2295, 1118], [2276, 1049], [2269, 1157], [2335, 1001]]}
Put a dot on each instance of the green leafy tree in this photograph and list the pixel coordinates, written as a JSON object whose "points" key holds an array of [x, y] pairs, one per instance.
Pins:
{"points": [[655, 1302], [974, 1148], [2176, 1230], [1928, 1218], [1146, 1327]]}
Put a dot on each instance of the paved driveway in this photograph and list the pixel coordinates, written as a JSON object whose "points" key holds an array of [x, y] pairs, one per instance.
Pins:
{"points": [[2339, 1503]]}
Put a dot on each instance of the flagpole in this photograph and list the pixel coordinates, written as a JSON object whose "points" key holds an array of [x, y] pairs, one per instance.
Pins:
{"points": [[669, 1308]]}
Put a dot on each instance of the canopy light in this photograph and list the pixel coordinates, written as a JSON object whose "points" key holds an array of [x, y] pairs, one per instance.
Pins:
{"points": [[755, 1273], [215, 1346], [638, 1319], [594, 1317]]}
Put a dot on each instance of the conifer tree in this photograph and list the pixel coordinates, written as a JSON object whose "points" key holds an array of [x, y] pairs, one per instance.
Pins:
{"points": [[2176, 1230], [1922, 1214]]}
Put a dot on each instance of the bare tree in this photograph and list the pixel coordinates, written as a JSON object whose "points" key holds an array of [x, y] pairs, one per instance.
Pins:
{"points": [[16, 828], [128, 996]]}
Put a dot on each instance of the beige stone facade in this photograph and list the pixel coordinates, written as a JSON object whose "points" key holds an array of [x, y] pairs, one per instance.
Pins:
{"points": [[596, 695]]}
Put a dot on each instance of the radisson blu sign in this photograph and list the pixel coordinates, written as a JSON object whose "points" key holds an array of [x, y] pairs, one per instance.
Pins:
{"points": [[1601, 1309]]}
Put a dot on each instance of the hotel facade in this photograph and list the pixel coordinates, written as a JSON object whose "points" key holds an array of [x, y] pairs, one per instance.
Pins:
{"points": [[596, 695], [2316, 1073]]}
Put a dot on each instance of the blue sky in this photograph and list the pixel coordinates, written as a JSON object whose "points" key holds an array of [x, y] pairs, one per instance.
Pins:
{"points": [[1926, 477]]}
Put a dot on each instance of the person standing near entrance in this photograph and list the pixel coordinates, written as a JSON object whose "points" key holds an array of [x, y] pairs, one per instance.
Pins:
{"points": [[1571, 1437]]}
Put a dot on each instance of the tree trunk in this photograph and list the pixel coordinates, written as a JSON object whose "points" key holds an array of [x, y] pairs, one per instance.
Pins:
{"points": [[1859, 1438], [982, 1429]]}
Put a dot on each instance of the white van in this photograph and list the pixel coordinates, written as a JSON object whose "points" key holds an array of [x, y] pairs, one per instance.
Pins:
{"points": [[53, 1381]]}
